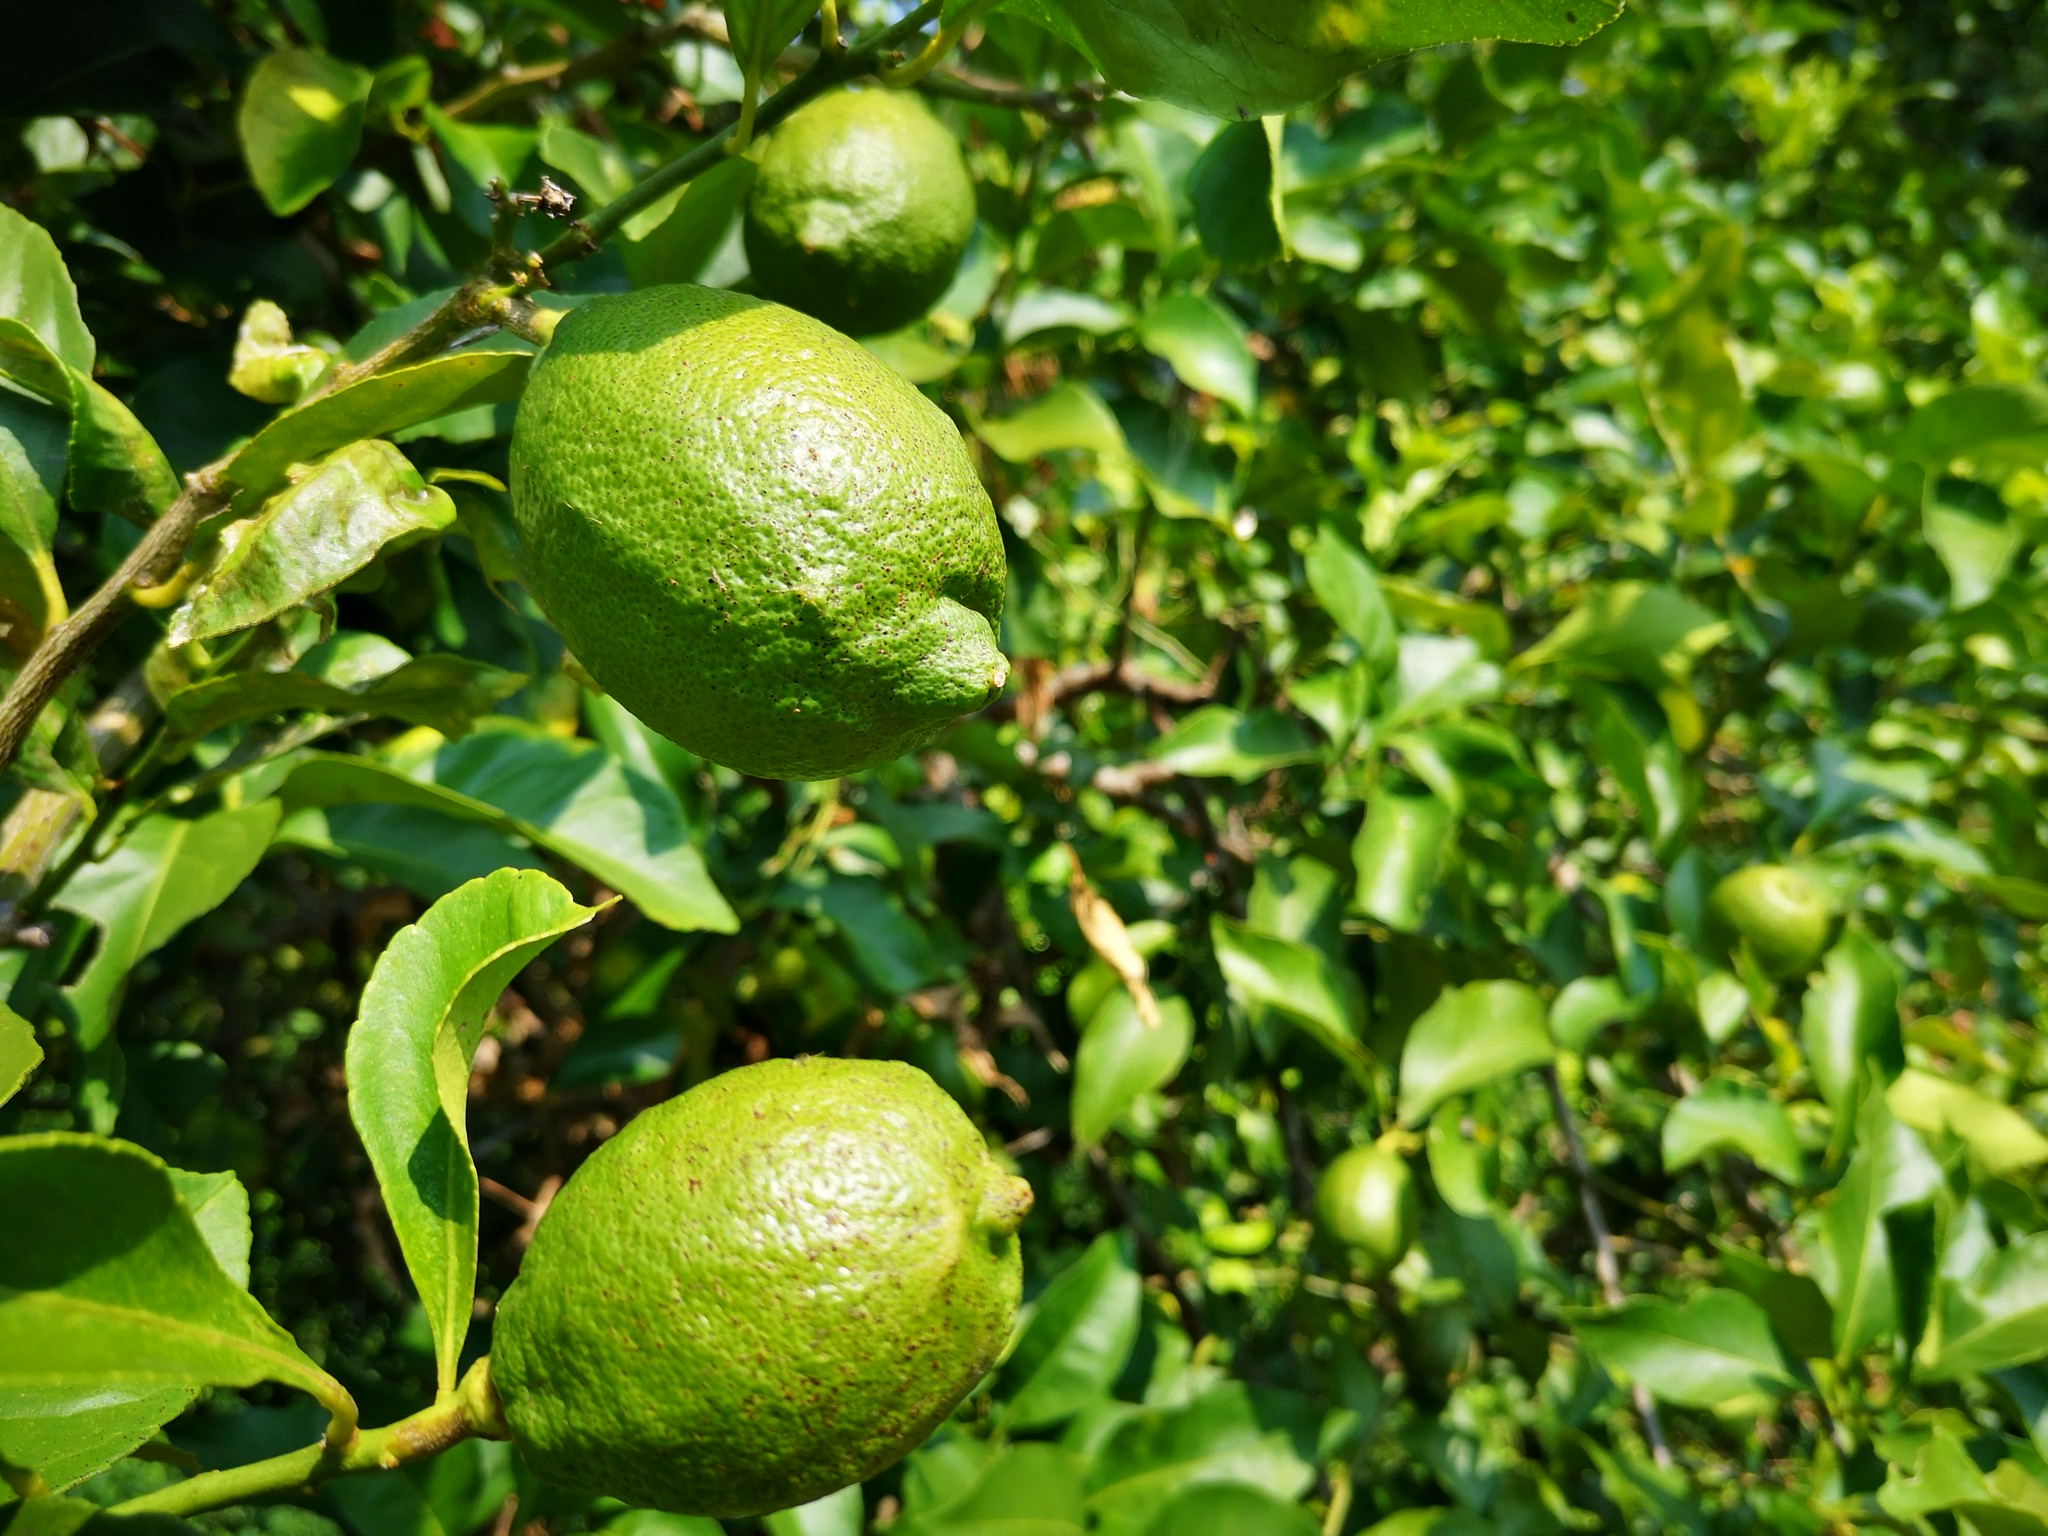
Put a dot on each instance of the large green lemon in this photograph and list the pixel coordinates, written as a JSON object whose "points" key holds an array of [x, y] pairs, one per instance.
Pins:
{"points": [[766, 1289], [1785, 917], [1367, 1210], [754, 535], [861, 210], [1248, 58]]}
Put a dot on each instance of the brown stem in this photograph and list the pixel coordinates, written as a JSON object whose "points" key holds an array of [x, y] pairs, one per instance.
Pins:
{"points": [[1605, 1265], [70, 645]]}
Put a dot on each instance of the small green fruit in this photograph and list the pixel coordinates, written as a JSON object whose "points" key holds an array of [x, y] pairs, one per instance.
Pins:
{"points": [[1366, 1207], [757, 537], [861, 211], [1785, 917], [762, 1291]]}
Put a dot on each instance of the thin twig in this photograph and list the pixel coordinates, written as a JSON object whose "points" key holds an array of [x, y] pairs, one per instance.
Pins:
{"points": [[1605, 1265]]}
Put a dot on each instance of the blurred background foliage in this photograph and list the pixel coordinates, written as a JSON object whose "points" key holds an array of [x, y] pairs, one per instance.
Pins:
{"points": [[1448, 530]]}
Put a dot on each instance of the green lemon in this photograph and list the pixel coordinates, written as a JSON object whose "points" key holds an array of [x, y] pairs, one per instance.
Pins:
{"points": [[1366, 1207], [762, 1291], [754, 535], [1786, 918], [861, 210]]}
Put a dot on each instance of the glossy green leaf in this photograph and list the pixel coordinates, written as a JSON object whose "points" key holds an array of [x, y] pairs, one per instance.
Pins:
{"points": [[1799, 1313], [36, 290], [1204, 344], [1399, 855], [1067, 416], [683, 246], [219, 1207], [31, 596], [1119, 1060], [1347, 585], [2002, 1139], [1714, 1349], [1726, 1117], [166, 872], [1998, 1317], [426, 851], [836, 1514], [1470, 1036], [1629, 629], [132, 1300], [1219, 742], [1231, 187], [113, 464], [446, 693], [1075, 1341], [1230, 1434], [409, 1054], [1855, 1262], [1037, 310], [1850, 1018], [1231, 1510], [482, 373], [268, 365], [310, 537], [1975, 535], [1295, 980], [1971, 419], [569, 797], [299, 123], [1029, 1489], [1695, 395], [19, 1052]]}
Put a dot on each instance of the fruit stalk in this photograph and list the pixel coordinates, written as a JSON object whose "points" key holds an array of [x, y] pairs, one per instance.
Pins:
{"points": [[469, 1412]]}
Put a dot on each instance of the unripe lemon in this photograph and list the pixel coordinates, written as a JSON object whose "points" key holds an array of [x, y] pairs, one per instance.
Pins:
{"points": [[1366, 1207], [861, 210], [754, 535], [761, 1291], [1786, 918]]}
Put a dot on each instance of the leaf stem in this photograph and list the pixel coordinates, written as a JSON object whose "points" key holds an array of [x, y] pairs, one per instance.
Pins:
{"points": [[469, 1412], [1605, 1265]]}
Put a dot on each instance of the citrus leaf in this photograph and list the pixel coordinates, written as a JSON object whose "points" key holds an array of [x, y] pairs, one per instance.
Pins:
{"points": [[837, 1514], [1231, 187], [300, 121], [1999, 1316], [1970, 419], [1119, 1060], [36, 289], [114, 465], [446, 693], [1470, 1035], [1726, 1117], [1973, 532], [1629, 629], [1296, 980], [428, 853], [1217, 741], [31, 596], [311, 537], [1067, 416], [423, 1012], [1399, 855], [1205, 346], [267, 364], [2002, 1139], [1856, 1261], [19, 1052], [64, 1443], [1346, 584], [481, 373], [166, 872], [131, 1299], [569, 797], [1231, 1434], [1851, 1018], [1715, 1348], [1074, 1343], [1228, 1509]]}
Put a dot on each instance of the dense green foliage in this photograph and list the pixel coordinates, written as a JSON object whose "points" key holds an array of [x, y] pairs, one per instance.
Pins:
{"points": [[1448, 531]]}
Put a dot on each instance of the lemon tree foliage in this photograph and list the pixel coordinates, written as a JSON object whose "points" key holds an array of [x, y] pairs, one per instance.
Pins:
{"points": [[1494, 891]]}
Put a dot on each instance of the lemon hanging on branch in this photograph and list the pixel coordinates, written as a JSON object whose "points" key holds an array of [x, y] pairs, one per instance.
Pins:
{"points": [[754, 535], [861, 211], [762, 1291]]}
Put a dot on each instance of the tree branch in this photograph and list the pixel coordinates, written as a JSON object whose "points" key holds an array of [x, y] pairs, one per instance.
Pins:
{"points": [[1605, 1265]]}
